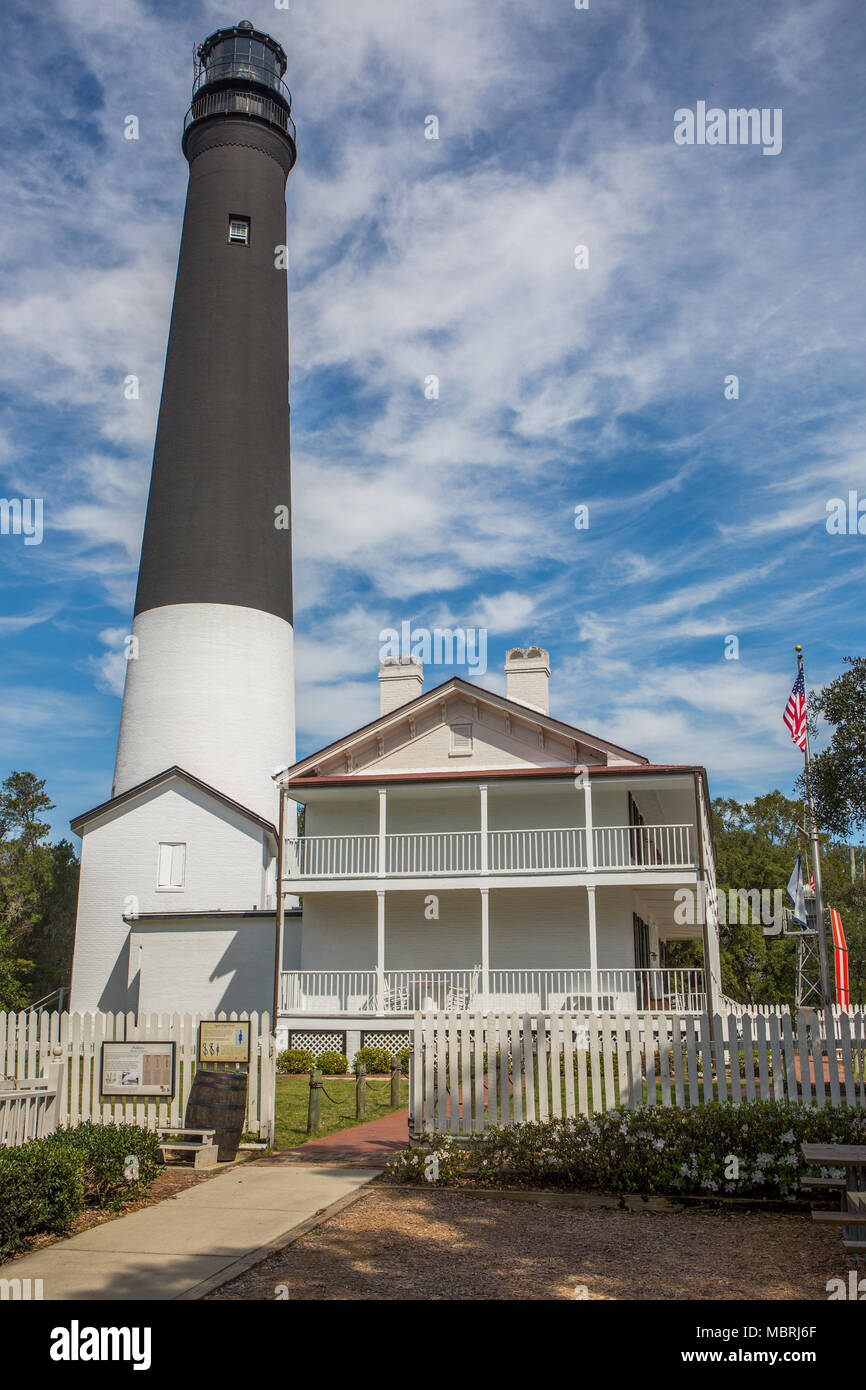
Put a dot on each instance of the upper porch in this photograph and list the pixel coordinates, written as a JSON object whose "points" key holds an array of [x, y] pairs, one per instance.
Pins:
{"points": [[488, 830]]}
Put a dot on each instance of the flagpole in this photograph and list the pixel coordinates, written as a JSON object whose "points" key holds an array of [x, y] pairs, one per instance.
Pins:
{"points": [[816, 859]]}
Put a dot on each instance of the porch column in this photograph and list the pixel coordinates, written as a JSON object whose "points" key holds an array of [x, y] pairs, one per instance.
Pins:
{"points": [[383, 829], [485, 946], [593, 947], [483, 791], [590, 838], [380, 952]]}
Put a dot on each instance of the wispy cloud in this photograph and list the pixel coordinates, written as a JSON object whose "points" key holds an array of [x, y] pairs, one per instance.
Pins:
{"points": [[454, 258]]}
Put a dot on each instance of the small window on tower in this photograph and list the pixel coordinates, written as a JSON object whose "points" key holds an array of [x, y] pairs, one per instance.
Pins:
{"points": [[239, 230], [171, 868]]}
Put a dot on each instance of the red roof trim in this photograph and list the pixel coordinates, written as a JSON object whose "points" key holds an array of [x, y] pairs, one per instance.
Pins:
{"points": [[485, 774]]}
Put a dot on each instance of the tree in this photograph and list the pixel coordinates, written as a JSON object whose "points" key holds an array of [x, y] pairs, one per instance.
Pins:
{"points": [[839, 772], [38, 892], [757, 843]]}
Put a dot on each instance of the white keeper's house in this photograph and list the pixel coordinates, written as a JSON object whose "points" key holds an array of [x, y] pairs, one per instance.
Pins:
{"points": [[468, 850]]}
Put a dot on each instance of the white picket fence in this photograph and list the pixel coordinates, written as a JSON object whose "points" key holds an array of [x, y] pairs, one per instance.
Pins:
{"points": [[31, 1043], [469, 1072], [30, 1109], [732, 1006]]}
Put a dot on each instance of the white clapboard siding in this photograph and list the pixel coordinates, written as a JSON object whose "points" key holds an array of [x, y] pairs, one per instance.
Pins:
{"points": [[31, 1044], [554, 1065]]}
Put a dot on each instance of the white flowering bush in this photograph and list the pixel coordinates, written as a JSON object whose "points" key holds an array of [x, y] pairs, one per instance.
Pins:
{"points": [[751, 1149], [441, 1160]]}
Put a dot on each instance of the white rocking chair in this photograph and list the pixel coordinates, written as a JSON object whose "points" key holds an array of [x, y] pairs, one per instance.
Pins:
{"points": [[459, 998]]}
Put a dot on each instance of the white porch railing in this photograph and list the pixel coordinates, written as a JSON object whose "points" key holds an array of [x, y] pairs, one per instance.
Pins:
{"points": [[562, 850], [520, 991], [532, 851], [454, 852], [328, 991], [332, 856], [644, 846]]}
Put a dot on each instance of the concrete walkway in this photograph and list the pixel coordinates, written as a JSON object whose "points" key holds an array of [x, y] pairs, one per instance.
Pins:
{"points": [[185, 1245]]}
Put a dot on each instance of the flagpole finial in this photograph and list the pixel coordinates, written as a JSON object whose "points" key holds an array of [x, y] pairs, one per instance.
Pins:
{"points": [[798, 648]]}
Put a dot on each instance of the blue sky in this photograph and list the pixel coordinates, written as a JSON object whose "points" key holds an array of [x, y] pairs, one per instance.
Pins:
{"points": [[455, 257]]}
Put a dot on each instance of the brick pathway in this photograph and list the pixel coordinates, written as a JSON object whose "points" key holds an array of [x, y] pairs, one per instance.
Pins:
{"points": [[364, 1145]]}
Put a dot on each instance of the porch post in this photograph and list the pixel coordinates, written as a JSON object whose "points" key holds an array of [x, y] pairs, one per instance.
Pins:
{"points": [[593, 947], [483, 791], [590, 838], [380, 951], [383, 829], [485, 946]]}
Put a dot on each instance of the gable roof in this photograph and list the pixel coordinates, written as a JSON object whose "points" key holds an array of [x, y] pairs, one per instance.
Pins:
{"points": [[456, 684], [78, 822]]}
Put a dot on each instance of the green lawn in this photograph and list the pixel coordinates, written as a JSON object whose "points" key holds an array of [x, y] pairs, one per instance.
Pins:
{"points": [[293, 1096]]}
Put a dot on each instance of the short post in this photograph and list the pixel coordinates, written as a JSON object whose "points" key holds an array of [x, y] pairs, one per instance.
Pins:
{"points": [[314, 1113], [361, 1092], [396, 1076]]}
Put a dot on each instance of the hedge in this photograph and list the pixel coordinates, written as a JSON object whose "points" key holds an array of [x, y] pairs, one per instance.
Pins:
{"points": [[47, 1183], [119, 1160], [376, 1060], [41, 1189], [333, 1063], [752, 1149], [294, 1061]]}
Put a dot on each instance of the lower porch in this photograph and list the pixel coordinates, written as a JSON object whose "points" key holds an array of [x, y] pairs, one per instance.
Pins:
{"points": [[583, 949]]}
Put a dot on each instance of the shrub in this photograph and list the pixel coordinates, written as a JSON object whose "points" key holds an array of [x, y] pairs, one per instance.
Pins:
{"points": [[41, 1189], [404, 1054], [651, 1150], [294, 1061], [377, 1060], [333, 1063], [119, 1161]]}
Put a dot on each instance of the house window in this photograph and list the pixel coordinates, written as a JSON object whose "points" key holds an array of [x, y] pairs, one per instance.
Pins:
{"points": [[171, 868], [461, 740], [239, 230]]}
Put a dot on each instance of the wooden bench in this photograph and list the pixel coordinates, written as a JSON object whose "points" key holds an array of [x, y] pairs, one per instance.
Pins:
{"points": [[203, 1150], [852, 1189]]}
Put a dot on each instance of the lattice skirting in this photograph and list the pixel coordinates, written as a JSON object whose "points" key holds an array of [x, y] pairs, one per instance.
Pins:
{"points": [[317, 1041], [394, 1041]]}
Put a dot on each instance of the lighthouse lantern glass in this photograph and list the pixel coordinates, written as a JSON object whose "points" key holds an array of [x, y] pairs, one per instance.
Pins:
{"points": [[244, 59]]}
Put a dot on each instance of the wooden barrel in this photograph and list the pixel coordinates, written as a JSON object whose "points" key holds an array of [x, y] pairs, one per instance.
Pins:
{"points": [[218, 1100]]}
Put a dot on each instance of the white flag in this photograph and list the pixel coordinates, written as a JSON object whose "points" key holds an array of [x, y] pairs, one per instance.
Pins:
{"points": [[796, 896]]}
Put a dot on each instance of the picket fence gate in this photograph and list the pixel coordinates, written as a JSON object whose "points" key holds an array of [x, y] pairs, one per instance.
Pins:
{"points": [[32, 1043], [469, 1071], [30, 1109]]}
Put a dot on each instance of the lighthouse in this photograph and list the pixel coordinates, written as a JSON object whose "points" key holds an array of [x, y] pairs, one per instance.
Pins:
{"points": [[209, 682], [178, 889]]}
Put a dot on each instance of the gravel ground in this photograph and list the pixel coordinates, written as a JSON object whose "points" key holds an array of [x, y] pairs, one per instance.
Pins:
{"points": [[411, 1244]]}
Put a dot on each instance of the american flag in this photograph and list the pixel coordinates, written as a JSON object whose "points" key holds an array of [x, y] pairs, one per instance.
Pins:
{"points": [[795, 712]]}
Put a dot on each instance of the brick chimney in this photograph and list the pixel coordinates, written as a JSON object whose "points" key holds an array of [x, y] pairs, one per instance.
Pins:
{"points": [[400, 680], [527, 677]]}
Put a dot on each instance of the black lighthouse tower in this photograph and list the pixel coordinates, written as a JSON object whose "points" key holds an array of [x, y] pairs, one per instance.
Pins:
{"points": [[210, 684]]}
